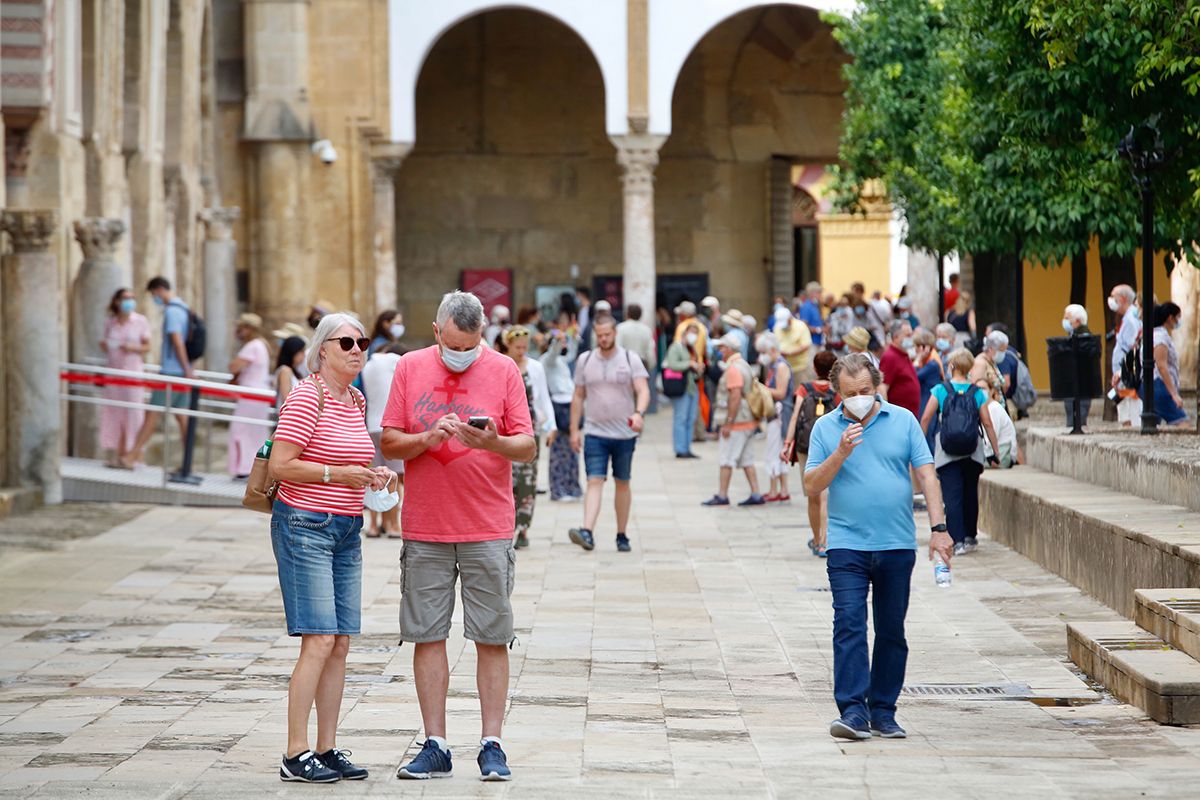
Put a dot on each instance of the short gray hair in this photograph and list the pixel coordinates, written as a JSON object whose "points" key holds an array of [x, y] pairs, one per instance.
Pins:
{"points": [[854, 364], [1126, 291], [1076, 312], [325, 328], [462, 307], [945, 330], [766, 343], [995, 340], [896, 326]]}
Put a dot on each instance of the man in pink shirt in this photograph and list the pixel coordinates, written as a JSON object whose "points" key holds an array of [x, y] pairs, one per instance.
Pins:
{"points": [[458, 416]]}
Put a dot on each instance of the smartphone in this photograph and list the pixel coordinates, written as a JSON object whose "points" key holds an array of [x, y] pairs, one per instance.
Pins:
{"points": [[479, 422]]}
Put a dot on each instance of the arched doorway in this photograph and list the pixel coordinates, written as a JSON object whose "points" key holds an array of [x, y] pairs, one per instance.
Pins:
{"points": [[511, 168], [760, 93]]}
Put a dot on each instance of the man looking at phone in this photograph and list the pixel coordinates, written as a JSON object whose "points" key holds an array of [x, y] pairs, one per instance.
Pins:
{"points": [[612, 392], [457, 415], [861, 452]]}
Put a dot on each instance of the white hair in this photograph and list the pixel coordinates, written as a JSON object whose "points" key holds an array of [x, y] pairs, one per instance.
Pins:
{"points": [[325, 329], [995, 340], [1127, 292], [464, 308], [767, 343], [1076, 312]]}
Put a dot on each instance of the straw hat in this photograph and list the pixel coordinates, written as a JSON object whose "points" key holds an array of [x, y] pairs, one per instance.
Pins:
{"points": [[289, 330], [250, 320], [858, 339], [687, 309], [733, 318]]}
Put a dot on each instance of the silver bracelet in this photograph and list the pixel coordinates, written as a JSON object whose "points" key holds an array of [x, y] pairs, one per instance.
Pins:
{"points": [[325, 477]]}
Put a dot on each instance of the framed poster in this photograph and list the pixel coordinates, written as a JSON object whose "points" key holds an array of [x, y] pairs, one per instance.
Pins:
{"points": [[612, 289], [548, 299], [493, 287], [674, 289]]}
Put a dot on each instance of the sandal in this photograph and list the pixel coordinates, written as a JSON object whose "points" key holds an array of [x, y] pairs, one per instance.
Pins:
{"points": [[372, 533]]}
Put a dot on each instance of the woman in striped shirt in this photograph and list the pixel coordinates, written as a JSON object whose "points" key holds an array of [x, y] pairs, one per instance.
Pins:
{"points": [[321, 456]]}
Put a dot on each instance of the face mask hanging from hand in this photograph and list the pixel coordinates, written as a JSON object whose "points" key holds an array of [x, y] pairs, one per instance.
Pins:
{"points": [[381, 500]]}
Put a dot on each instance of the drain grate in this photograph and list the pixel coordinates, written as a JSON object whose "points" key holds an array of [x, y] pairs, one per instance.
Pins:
{"points": [[1138, 642], [984, 691], [1186, 606]]}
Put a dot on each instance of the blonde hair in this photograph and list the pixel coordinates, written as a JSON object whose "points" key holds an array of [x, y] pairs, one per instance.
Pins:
{"points": [[960, 361], [963, 303]]}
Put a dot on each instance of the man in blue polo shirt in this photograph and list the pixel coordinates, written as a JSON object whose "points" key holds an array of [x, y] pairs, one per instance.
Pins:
{"points": [[862, 452], [810, 313]]}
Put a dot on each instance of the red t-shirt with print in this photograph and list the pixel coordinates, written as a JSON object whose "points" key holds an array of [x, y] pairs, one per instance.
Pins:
{"points": [[454, 493]]}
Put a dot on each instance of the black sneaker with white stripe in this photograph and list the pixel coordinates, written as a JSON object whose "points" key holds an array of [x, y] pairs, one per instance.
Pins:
{"points": [[307, 768], [338, 760]]}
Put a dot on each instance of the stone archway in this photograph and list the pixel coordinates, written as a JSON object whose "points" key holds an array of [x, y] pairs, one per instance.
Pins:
{"points": [[760, 92], [511, 168]]}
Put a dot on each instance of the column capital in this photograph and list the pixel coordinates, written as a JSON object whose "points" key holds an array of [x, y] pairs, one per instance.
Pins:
{"points": [[31, 229], [98, 236], [638, 156], [386, 160], [218, 221]]}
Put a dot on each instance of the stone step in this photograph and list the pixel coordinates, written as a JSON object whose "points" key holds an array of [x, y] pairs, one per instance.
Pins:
{"points": [[1163, 468], [1108, 543], [1172, 615], [1139, 668]]}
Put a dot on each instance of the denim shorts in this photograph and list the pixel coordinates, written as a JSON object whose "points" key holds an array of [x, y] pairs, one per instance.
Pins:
{"points": [[319, 556], [597, 450]]}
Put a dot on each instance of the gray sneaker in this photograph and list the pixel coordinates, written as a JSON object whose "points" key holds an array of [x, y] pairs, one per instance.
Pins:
{"points": [[970, 544], [960, 549]]}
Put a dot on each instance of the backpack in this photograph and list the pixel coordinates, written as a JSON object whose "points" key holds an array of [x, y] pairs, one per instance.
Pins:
{"points": [[1131, 366], [1024, 396], [814, 406], [959, 422], [197, 336]]}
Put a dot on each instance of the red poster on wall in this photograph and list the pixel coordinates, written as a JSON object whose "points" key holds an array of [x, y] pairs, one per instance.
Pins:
{"points": [[493, 287]]}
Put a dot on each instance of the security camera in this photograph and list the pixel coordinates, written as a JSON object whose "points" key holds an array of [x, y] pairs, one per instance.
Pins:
{"points": [[323, 149]]}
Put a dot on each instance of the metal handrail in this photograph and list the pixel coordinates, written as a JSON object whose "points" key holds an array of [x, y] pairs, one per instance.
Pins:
{"points": [[173, 380], [183, 412], [206, 374]]}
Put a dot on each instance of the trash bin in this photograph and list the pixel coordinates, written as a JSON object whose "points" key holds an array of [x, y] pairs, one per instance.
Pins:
{"points": [[1074, 369]]}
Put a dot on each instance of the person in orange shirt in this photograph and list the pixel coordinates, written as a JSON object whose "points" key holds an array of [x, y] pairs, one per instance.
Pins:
{"points": [[737, 424]]}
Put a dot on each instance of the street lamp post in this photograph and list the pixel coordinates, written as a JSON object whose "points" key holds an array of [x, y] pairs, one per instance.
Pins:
{"points": [[1143, 148]]}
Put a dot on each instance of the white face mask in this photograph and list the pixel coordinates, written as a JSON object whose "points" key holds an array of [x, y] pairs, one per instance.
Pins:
{"points": [[859, 405], [1112, 304], [397, 330], [459, 360], [381, 500], [691, 339]]}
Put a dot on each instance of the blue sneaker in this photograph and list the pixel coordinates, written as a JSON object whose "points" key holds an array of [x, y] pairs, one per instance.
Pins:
{"points": [[431, 762], [888, 729], [493, 764], [852, 729], [716, 500], [582, 537], [754, 500]]}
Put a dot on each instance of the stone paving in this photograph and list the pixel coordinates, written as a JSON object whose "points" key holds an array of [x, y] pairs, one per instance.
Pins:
{"points": [[149, 661]]}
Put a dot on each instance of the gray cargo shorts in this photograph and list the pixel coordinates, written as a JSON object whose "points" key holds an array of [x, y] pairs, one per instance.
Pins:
{"points": [[428, 571]]}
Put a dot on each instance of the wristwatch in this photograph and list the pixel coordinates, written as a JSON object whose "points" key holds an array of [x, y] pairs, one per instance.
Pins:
{"points": [[939, 528], [325, 477]]}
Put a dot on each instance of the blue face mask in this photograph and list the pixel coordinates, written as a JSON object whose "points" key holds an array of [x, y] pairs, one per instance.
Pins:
{"points": [[907, 344], [942, 345], [127, 305], [158, 301]]}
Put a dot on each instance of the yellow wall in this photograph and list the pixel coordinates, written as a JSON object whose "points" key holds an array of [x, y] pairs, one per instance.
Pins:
{"points": [[854, 249], [1047, 292]]}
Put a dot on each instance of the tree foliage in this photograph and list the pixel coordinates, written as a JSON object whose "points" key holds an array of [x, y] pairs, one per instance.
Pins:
{"points": [[1005, 138]]}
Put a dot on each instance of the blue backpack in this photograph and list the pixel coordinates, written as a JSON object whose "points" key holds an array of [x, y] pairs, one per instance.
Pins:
{"points": [[959, 422]]}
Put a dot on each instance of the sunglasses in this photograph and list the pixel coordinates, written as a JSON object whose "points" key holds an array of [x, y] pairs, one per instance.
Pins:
{"points": [[347, 342]]}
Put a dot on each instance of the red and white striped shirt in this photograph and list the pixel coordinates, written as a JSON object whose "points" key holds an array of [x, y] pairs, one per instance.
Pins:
{"points": [[336, 436]]}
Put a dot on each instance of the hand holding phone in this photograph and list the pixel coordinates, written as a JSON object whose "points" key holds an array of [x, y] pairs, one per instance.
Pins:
{"points": [[479, 422]]}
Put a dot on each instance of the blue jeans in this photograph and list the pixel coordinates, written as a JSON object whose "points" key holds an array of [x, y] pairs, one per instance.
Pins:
{"points": [[960, 494], [684, 421], [319, 557], [1164, 406], [597, 450], [866, 689]]}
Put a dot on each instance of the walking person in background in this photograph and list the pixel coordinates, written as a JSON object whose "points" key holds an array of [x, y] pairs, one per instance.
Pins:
{"points": [[320, 456], [900, 386], [1006, 431], [377, 378], [607, 415], [795, 343], [814, 399], [810, 313], [175, 363], [737, 424], [778, 380], [961, 317], [960, 456], [1121, 301], [125, 344], [638, 338], [288, 367], [840, 323], [557, 360], [682, 368], [863, 454], [951, 294], [1168, 403], [525, 473], [458, 417], [1075, 323], [251, 370], [930, 373], [389, 327]]}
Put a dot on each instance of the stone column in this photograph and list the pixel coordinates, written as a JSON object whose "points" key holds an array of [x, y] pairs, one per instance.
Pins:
{"points": [[923, 286], [383, 226], [32, 300], [99, 277], [220, 283], [638, 156]]}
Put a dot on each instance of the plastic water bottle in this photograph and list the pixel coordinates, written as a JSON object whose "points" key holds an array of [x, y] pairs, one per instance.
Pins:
{"points": [[941, 572]]}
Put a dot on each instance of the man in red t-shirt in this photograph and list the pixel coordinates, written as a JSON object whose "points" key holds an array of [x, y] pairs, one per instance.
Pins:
{"points": [[458, 416], [900, 386], [951, 294]]}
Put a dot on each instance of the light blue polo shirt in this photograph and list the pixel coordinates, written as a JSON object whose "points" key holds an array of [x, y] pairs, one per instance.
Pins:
{"points": [[870, 499]]}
